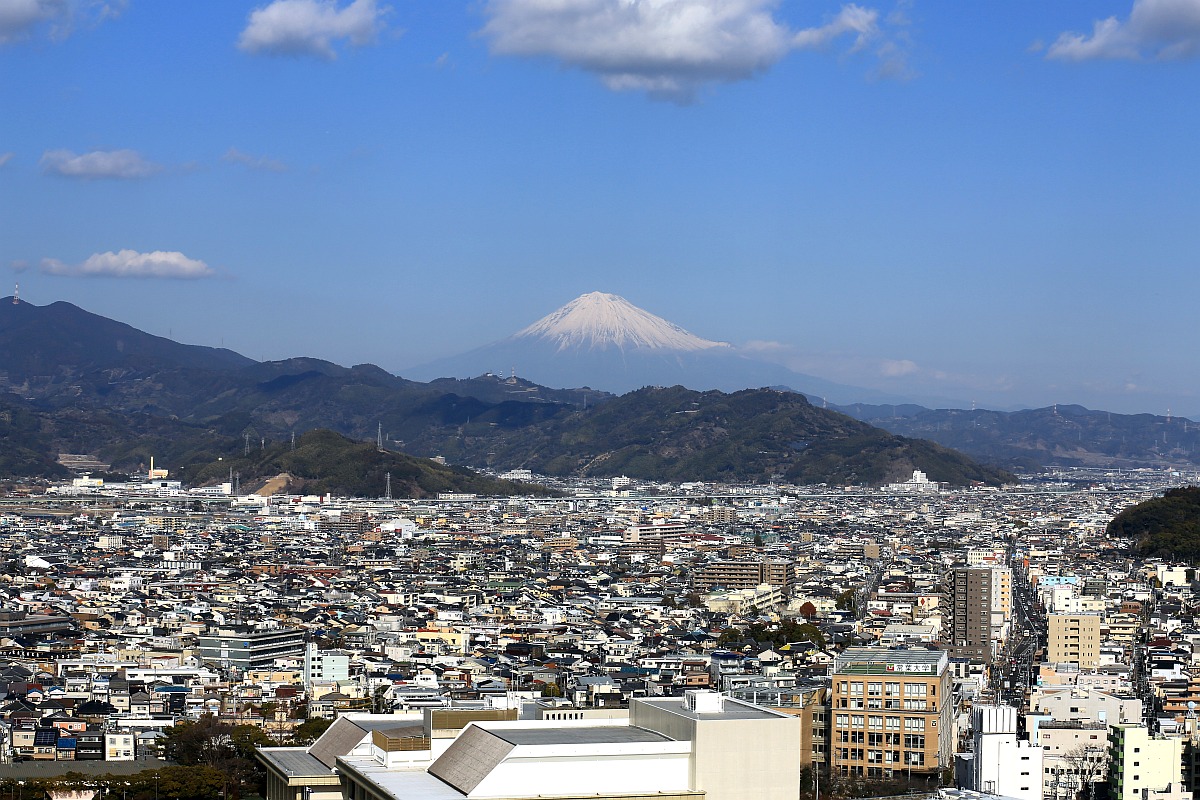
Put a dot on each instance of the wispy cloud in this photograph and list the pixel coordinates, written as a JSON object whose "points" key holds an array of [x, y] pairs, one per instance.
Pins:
{"points": [[311, 27], [4, 159], [131, 264], [118, 164], [898, 368], [20, 19], [1155, 29], [666, 48], [235, 156]]}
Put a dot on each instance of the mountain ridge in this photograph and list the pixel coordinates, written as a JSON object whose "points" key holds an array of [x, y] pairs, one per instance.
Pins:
{"points": [[81, 392]]}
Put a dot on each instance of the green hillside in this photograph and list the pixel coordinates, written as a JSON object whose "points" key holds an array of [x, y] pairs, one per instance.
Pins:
{"points": [[324, 461], [1167, 526], [679, 434]]}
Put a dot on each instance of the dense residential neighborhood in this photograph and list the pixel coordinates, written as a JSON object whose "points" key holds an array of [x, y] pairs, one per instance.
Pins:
{"points": [[866, 641]]}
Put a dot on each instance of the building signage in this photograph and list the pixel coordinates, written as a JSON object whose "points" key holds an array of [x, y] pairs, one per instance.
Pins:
{"points": [[921, 668]]}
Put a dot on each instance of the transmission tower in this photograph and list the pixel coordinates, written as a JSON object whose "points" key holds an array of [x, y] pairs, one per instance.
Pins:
{"points": [[388, 490]]}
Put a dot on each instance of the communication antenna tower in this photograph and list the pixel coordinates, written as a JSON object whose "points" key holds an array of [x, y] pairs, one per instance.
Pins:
{"points": [[293, 441], [246, 443], [388, 491], [17, 295]]}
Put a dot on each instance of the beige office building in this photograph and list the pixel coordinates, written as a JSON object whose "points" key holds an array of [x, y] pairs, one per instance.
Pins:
{"points": [[892, 712]]}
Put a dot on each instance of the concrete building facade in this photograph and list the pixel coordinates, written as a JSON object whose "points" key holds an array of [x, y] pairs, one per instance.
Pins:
{"points": [[1073, 639], [892, 712]]}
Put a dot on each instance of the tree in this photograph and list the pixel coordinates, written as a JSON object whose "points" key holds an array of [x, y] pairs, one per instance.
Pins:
{"points": [[1086, 766], [248, 738], [206, 741], [845, 600], [310, 730], [228, 749]]}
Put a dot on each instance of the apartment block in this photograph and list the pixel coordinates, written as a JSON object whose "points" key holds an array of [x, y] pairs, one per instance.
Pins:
{"points": [[745, 575], [1073, 639], [1142, 765], [980, 609]]}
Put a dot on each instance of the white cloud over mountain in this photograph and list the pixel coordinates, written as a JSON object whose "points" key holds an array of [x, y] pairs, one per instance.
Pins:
{"points": [[120, 164], [311, 27], [667, 48], [131, 264], [1155, 29]]}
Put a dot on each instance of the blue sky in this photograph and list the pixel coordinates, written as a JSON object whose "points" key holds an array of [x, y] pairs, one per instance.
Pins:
{"points": [[995, 202]]}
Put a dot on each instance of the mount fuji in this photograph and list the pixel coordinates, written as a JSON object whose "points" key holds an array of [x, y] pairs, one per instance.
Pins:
{"points": [[603, 341]]}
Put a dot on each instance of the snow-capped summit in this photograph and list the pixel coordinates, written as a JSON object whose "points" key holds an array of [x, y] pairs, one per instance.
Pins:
{"points": [[605, 342], [598, 320]]}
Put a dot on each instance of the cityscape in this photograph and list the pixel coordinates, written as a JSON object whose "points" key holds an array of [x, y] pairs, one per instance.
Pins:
{"points": [[599, 400], [708, 640]]}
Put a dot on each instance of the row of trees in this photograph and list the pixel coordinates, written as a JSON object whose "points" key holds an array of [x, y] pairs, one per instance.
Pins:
{"points": [[175, 783], [213, 761]]}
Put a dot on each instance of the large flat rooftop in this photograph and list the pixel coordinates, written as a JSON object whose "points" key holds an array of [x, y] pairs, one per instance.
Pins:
{"points": [[611, 734]]}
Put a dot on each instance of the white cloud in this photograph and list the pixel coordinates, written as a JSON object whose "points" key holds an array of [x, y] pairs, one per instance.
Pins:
{"points": [[310, 27], [18, 17], [767, 346], [131, 264], [4, 159], [22, 18], [898, 368], [1155, 29], [125, 164], [862, 22], [235, 156], [667, 48]]}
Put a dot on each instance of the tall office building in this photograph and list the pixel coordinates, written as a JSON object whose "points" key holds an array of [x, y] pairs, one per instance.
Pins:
{"points": [[980, 608]]}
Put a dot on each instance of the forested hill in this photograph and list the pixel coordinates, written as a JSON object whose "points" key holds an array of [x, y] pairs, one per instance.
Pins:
{"points": [[1167, 526], [678, 434]]}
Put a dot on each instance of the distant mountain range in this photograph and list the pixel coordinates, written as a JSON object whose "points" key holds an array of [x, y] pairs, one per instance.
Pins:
{"points": [[75, 382], [1067, 435]]}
